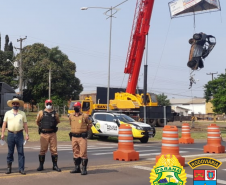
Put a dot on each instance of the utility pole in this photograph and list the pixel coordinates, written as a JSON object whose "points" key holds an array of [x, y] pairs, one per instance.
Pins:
{"points": [[21, 67], [212, 74]]}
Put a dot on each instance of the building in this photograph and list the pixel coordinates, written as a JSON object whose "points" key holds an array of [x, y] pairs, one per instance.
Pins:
{"points": [[181, 110], [189, 105]]}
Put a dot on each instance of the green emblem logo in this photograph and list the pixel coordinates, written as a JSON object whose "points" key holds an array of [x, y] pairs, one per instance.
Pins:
{"points": [[97, 126], [168, 171]]}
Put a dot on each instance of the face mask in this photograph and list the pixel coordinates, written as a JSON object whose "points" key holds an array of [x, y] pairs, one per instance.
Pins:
{"points": [[76, 109], [49, 107], [15, 107]]}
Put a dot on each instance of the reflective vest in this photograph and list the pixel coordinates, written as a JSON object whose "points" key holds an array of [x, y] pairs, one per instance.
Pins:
{"points": [[48, 120], [78, 124]]}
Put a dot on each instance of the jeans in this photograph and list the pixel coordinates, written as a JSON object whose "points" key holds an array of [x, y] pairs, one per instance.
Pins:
{"points": [[16, 139]]}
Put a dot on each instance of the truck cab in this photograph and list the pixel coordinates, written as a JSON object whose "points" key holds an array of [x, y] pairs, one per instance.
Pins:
{"points": [[6, 93]]}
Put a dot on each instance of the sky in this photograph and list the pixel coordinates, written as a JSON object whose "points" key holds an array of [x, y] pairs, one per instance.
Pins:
{"points": [[84, 36]]}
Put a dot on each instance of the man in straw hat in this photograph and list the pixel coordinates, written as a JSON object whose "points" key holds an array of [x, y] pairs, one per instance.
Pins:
{"points": [[17, 122]]}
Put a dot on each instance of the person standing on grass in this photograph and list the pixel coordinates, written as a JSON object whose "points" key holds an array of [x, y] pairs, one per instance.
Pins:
{"points": [[47, 121], [16, 122]]}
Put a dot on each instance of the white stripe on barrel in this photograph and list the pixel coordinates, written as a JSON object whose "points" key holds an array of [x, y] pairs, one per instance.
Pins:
{"points": [[169, 138], [170, 132]]}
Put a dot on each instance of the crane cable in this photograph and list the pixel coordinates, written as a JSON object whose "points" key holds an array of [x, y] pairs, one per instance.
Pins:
{"points": [[161, 54]]}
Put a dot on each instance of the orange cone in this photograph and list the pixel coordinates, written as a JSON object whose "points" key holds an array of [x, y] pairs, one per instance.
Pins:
{"points": [[170, 143], [125, 150], [186, 135], [214, 140]]}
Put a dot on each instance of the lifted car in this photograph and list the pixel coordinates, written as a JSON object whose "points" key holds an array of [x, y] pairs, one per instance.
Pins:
{"points": [[201, 46], [107, 124]]}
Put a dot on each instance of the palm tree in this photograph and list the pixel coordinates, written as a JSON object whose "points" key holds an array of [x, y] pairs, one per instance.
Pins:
{"points": [[169, 176]]}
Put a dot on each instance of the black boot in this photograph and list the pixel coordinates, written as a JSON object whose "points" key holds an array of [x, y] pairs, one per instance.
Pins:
{"points": [[54, 159], [84, 165], [41, 160], [9, 168], [77, 162]]}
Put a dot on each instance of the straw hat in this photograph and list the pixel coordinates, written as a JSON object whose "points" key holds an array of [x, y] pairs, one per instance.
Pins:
{"points": [[9, 102]]}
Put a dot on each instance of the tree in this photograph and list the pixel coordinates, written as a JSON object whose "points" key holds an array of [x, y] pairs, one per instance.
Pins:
{"points": [[162, 100], [169, 176], [37, 61], [7, 71], [6, 48], [215, 92]]}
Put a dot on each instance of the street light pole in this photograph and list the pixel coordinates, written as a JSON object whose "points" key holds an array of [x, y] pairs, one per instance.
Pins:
{"points": [[109, 61]]}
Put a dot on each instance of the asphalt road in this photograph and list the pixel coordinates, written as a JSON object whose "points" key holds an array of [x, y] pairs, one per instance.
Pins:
{"points": [[102, 169]]}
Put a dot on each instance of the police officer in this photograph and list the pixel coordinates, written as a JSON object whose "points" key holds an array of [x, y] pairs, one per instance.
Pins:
{"points": [[80, 124], [47, 121]]}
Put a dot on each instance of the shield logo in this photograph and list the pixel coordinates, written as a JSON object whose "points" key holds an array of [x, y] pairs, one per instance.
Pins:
{"points": [[211, 174]]}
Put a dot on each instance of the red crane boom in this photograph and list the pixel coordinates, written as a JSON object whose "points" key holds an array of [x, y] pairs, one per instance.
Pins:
{"points": [[140, 28]]}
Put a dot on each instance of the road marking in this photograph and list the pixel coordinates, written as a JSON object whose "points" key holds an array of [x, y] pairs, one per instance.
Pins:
{"points": [[143, 168], [159, 153], [191, 148], [70, 148], [188, 175], [196, 155], [112, 152]]}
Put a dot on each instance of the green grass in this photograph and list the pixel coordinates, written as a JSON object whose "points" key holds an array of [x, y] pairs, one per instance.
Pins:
{"points": [[64, 129]]}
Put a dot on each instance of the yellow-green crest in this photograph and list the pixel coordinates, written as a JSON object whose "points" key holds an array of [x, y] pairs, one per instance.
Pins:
{"points": [[97, 126], [168, 171]]}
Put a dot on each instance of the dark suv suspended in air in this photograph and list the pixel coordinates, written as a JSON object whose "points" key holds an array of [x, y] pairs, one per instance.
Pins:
{"points": [[201, 46]]}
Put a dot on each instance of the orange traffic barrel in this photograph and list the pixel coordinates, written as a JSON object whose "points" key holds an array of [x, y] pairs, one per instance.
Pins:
{"points": [[170, 144], [213, 140], [125, 150], [186, 135]]}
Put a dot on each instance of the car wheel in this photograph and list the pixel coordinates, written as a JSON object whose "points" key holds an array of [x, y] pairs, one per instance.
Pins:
{"points": [[90, 134], [152, 122], [161, 122], [103, 137], [191, 41], [197, 36], [144, 139], [154, 132]]}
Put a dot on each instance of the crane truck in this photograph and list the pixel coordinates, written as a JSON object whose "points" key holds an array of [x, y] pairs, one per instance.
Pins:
{"points": [[141, 105]]}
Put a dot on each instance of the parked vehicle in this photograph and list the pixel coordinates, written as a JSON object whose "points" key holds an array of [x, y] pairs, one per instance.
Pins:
{"points": [[7, 93], [107, 124]]}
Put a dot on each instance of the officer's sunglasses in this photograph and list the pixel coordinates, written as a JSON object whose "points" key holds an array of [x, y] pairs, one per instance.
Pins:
{"points": [[49, 104], [16, 104]]}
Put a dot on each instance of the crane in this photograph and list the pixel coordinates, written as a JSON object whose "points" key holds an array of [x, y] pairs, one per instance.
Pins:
{"points": [[129, 102], [140, 28], [146, 104]]}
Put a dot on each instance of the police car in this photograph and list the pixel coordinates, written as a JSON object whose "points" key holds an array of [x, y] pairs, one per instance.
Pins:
{"points": [[107, 124]]}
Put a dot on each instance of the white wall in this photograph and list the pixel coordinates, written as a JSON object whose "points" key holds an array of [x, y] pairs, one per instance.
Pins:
{"points": [[196, 108], [180, 110]]}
